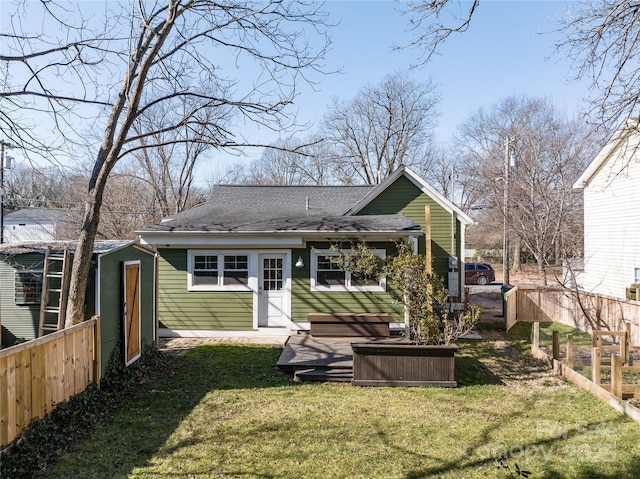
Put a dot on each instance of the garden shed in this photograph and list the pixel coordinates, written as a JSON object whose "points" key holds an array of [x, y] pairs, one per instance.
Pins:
{"points": [[120, 290]]}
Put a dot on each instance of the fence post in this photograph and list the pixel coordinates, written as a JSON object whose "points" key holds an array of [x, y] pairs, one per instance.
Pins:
{"points": [[536, 335], [570, 350], [97, 351], [628, 360], [555, 345], [595, 365], [616, 375]]}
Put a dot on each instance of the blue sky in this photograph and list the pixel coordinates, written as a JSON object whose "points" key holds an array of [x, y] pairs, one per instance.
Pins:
{"points": [[503, 53], [508, 50]]}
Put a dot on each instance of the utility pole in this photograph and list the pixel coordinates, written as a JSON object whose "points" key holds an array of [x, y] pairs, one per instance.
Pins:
{"points": [[509, 162], [3, 145]]}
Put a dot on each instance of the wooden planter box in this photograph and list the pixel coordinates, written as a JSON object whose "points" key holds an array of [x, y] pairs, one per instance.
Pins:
{"points": [[403, 364]]}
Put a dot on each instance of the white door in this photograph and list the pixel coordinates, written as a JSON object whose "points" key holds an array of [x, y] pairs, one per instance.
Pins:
{"points": [[272, 307]]}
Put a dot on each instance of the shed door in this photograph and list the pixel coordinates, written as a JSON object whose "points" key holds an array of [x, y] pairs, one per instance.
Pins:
{"points": [[131, 311], [272, 307]]}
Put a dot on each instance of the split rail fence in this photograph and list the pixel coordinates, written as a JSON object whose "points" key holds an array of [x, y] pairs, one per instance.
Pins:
{"points": [[38, 374], [603, 317]]}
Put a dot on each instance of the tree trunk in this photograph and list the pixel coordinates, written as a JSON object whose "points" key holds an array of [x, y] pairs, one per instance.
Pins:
{"points": [[82, 261], [542, 271], [123, 113], [517, 250], [91, 219]]}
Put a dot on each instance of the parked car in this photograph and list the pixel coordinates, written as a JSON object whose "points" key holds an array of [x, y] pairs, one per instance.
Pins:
{"points": [[478, 273]]}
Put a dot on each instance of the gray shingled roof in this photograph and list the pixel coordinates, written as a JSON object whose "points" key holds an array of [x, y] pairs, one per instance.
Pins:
{"points": [[34, 214], [283, 208]]}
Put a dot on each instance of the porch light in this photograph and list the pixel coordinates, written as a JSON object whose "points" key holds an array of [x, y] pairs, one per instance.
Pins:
{"points": [[300, 263]]}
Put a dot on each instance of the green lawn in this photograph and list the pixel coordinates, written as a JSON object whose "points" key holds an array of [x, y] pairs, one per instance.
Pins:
{"points": [[223, 411]]}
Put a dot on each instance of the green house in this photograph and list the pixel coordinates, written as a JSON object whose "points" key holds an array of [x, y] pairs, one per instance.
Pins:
{"points": [[254, 258], [120, 289]]}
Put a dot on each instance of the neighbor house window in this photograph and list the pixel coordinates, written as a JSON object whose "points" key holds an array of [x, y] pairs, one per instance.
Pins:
{"points": [[28, 287], [327, 276], [218, 270]]}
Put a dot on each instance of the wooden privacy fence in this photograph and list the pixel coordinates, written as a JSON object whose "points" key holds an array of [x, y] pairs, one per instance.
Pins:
{"points": [[38, 374], [578, 310]]}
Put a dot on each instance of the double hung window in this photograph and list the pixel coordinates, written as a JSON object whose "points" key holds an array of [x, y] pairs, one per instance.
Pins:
{"points": [[218, 270], [328, 276]]}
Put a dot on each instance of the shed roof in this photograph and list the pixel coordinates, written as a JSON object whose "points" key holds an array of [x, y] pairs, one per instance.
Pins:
{"points": [[99, 247]]}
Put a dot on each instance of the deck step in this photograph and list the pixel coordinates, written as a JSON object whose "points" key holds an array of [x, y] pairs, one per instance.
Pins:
{"points": [[323, 374]]}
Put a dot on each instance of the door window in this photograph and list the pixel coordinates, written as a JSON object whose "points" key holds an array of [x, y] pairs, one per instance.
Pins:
{"points": [[272, 274]]}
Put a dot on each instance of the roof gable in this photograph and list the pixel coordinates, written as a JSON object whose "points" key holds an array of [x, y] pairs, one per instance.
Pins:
{"points": [[421, 184], [612, 147]]}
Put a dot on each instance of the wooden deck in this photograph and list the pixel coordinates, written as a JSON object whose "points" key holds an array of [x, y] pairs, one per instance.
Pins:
{"points": [[320, 359], [304, 351]]}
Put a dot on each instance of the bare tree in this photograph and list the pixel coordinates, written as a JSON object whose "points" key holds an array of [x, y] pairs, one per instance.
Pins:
{"points": [[434, 21], [167, 159], [120, 62], [28, 186], [602, 38], [291, 162], [382, 127], [551, 150]]}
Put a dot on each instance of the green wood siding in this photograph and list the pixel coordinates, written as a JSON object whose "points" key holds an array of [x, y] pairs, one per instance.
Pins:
{"points": [[404, 197], [111, 298], [305, 301], [20, 322], [179, 308]]}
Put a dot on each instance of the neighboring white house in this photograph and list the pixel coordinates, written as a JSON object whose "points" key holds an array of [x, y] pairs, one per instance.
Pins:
{"points": [[31, 224], [611, 185]]}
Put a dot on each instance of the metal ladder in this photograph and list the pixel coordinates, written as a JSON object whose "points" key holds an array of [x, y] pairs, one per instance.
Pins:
{"points": [[55, 289]]}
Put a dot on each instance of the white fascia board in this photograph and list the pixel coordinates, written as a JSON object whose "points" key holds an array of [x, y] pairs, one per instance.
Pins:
{"points": [[176, 239], [615, 142], [421, 184], [380, 236], [182, 239], [116, 248]]}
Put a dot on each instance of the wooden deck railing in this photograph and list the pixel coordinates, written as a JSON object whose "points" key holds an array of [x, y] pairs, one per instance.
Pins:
{"points": [[38, 374]]}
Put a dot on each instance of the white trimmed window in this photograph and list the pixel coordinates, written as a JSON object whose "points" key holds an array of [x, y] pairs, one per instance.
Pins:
{"points": [[326, 276], [219, 270]]}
